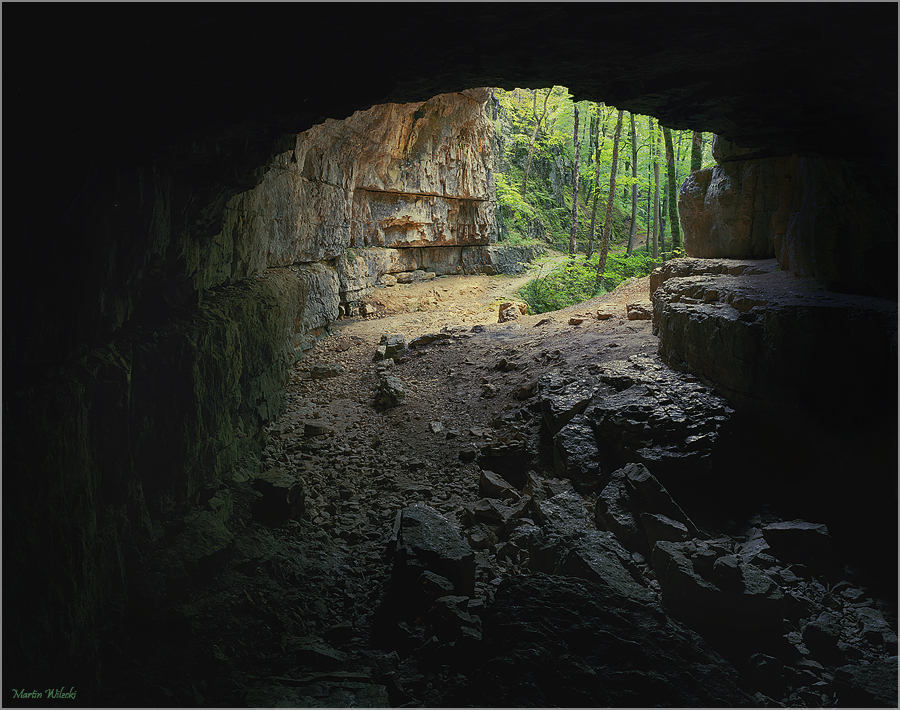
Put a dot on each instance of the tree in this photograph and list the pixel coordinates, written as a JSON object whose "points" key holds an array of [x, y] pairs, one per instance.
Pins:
{"points": [[596, 189], [604, 250], [537, 125], [673, 191], [634, 174], [655, 142], [574, 229], [696, 151]]}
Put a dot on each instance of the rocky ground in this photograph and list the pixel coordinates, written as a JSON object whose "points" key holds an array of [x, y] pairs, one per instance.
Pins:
{"points": [[430, 529]]}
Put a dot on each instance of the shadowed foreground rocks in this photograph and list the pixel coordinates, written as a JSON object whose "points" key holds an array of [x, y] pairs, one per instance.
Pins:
{"points": [[552, 641]]}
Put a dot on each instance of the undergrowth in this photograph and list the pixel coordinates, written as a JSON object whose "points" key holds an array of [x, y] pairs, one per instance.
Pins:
{"points": [[575, 280]]}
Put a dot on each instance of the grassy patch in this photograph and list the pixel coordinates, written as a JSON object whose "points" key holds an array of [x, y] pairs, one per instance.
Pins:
{"points": [[575, 281]]}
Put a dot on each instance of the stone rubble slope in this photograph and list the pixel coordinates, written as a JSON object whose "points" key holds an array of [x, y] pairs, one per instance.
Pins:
{"points": [[482, 542]]}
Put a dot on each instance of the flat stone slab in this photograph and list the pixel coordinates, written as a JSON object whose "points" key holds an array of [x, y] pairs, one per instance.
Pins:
{"points": [[771, 342]]}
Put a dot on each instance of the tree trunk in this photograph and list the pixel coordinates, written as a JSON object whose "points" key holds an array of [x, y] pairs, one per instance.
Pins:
{"points": [[598, 148], [634, 162], [696, 151], [655, 143], [607, 228], [673, 192], [574, 230], [537, 125]]}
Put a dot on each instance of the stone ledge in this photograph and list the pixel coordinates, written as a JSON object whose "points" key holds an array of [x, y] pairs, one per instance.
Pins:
{"points": [[772, 343]]}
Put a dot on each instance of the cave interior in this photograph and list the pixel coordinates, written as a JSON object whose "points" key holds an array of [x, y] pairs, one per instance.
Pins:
{"points": [[129, 128]]}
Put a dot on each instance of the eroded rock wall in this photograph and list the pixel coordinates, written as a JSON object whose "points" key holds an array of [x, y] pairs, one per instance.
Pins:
{"points": [[396, 176]]}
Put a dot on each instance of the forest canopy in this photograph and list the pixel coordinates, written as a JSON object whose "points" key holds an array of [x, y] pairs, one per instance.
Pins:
{"points": [[546, 137]]}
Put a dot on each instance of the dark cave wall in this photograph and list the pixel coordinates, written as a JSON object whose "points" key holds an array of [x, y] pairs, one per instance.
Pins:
{"points": [[141, 362]]}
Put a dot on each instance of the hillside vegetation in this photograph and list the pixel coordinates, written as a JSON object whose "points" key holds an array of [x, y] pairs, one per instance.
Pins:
{"points": [[546, 139]]}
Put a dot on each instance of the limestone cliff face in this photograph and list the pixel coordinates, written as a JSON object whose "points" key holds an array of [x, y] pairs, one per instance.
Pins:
{"points": [[728, 211], [397, 175]]}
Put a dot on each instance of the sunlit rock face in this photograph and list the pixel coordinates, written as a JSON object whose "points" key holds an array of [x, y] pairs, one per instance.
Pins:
{"points": [[396, 175]]}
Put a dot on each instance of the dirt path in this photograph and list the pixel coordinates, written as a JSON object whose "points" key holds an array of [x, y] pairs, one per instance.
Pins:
{"points": [[446, 301]]}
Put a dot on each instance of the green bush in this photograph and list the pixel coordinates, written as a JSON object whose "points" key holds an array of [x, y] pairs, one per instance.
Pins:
{"points": [[575, 280]]}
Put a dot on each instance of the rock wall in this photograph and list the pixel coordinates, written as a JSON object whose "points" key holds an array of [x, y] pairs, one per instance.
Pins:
{"points": [[126, 433], [399, 175], [817, 216], [160, 377], [779, 341]]}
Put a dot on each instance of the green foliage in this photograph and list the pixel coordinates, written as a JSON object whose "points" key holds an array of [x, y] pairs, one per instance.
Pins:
{"points": [[511, 199], [554, 152], [575, 280]]}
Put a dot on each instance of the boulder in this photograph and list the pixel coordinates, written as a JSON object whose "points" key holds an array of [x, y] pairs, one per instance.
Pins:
{"points": [[510, 313], [576, 456], [875, 629], [521, 307], [871, 685], [587, 554], [727, 611], [392, 391], [616, 513], [494, 486], [425, 540], [822, 635], [448, 617], [655, 498], [316, 427], [648, 414], [428, 339], [563, 513], [283, 497], [325, 370], [659, 527], [394, 344], [638, 311], [387, 280], [562, 397], [551, 641]]}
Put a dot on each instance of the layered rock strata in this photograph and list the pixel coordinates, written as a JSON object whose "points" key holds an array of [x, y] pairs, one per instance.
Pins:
{"points": [[771, 342], [811, 373]]}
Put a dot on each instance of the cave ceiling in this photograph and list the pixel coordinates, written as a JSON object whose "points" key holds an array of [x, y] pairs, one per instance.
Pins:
{"points": [[816, 79]]}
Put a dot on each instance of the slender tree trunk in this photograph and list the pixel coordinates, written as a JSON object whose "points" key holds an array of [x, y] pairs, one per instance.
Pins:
{"points": [[655, 142], [673, 192], [696, 151], [649, 242], [598, 149], [574, 230], [604, 250], [537, 125], [634, 163]]}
